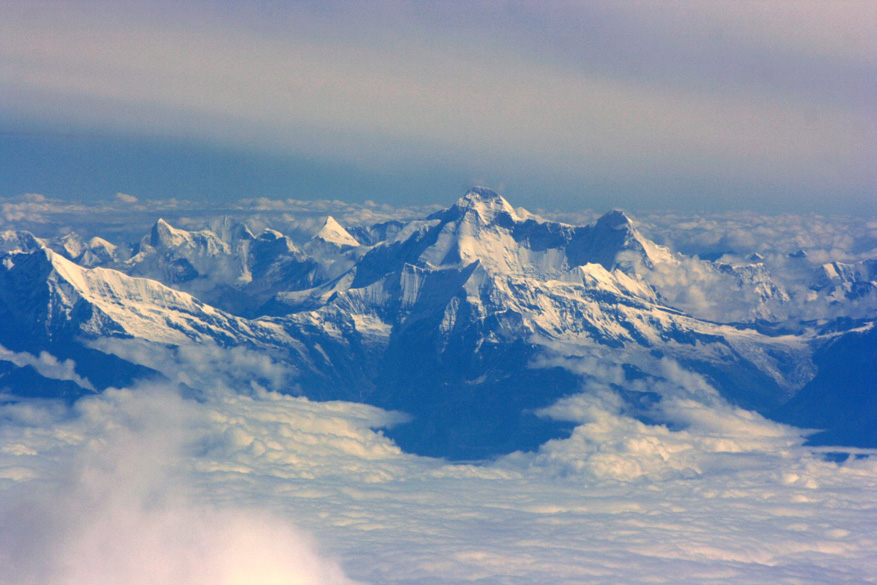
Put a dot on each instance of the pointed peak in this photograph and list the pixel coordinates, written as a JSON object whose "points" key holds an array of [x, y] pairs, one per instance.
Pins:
{"points": [[164, 234], [334, 233], [615, 219], [486, 203], [331, 223], [483, 193], [483, 196], [161, 226]]}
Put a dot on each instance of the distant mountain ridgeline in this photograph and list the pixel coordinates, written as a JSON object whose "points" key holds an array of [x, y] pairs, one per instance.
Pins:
{"points": [[470, 320]]}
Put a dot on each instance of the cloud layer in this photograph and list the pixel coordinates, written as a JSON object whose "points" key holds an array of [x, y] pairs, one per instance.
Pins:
{"points": [[689, 103], [119, 506], [142, 485]]}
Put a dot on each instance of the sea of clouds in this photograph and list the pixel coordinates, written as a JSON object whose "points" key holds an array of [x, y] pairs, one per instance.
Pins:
{"points": [[211, 477]]}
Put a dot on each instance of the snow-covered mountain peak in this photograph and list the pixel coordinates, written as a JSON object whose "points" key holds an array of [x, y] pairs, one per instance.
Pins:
{"points": [[205, 243], [621, 244], [486, 204], [616, 220], [334, 233], [164, 235], [95, 302], [273, 240], [96, 242], [19, 241], [468, 310]]}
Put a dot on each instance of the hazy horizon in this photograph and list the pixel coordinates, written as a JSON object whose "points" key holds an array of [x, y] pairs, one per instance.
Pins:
{"points": [[691, 106]]}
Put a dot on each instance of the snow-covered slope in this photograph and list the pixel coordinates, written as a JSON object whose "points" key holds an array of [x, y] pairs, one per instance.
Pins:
{"points": [[471, 299], [226, 265], [76, 301], [470, 320], [333, 232], [176, 256]]}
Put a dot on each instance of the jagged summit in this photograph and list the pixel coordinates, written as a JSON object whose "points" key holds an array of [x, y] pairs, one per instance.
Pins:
{"points": [[230, 230], [19, 241], [615, 219], [165, 235], [487, 205], [334, 233], [481, 195]]}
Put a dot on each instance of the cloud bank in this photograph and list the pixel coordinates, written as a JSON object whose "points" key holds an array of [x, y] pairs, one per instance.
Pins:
{"points": [[142, 485]]}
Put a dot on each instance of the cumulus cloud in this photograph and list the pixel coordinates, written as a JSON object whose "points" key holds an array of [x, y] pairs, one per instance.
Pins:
{"points": [[691, 429], [207, 366], [788, 249], [844, 238], [33, 208], [706, 440]]}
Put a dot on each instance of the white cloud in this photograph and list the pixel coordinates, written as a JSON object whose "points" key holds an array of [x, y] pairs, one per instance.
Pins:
{"points": [[717, 494], [734, 238], [125, 198], [120, 508], [47, 365]]}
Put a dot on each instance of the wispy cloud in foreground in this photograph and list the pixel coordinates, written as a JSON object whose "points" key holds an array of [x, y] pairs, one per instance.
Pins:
{"points": [[122, 508], [142, 485], [47, 366]]}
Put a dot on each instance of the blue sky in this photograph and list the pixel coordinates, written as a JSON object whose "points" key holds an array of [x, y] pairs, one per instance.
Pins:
{"points": [[681, 105]]}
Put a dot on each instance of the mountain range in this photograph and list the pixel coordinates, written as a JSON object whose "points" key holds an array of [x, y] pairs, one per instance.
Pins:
{"points": [[469, 320]]}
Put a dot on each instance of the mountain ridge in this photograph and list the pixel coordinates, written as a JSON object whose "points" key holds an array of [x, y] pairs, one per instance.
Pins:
{"points": [[477, 309]]}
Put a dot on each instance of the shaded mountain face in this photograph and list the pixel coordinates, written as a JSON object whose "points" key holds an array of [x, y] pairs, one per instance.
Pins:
{"points": [[470, 320]]}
